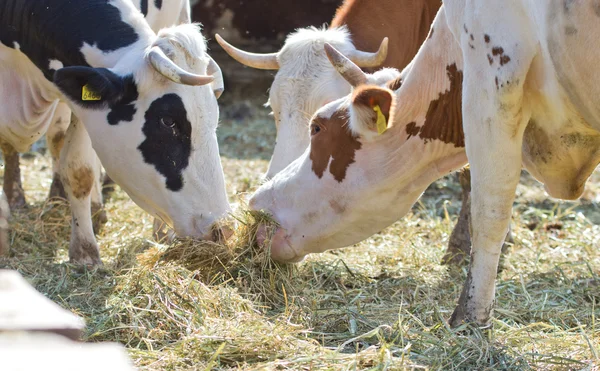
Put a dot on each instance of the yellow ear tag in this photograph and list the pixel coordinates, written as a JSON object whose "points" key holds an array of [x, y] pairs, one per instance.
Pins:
{"points": [[87, 94], [381, 122]]}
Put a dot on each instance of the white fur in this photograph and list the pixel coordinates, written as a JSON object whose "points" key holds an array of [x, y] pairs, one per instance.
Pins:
{"points": [[305, 81]]}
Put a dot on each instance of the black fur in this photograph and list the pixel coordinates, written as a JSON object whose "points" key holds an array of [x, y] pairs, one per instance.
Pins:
{"points": [[118, 93], [57, 29], [158, 4], [167, 148], [144, 7]]}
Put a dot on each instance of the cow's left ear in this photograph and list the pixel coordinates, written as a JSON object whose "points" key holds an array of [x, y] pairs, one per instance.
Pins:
{"points": [[90, 87], [371, 110]]}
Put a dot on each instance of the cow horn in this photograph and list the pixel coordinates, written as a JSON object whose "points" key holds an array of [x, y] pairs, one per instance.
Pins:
{"points": [[266, 61], [173, 72], [345, 67], [367, 59], [218, 84]]}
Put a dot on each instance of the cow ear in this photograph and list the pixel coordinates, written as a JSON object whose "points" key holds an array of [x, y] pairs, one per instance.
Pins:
{"points": [[371, 110], [90, 87]]}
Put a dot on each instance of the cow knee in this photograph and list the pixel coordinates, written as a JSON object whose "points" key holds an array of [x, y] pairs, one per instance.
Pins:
{"points": [[79, 181]]}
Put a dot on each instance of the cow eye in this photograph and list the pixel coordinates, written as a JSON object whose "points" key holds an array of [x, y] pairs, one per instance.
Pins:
{"points": [[167, 121], [315, 129]]}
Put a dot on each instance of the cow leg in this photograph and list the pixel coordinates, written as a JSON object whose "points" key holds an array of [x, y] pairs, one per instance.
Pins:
{"points": [[494, 122], [55, 138], [108, 187], [459, 244], [99, 217], [79, 171], [4, 227], [13, 188]]}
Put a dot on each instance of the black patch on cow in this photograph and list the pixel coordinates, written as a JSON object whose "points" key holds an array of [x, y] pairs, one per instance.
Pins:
{"points": [[116, 92], [144, 7], [124, 109], [168, 142], [57, 29], [158, 4]]}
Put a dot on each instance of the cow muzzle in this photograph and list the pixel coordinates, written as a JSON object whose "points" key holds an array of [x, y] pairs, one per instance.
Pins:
{"points": [[279, 243]]}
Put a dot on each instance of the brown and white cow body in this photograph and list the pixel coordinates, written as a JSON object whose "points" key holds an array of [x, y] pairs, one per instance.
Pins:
{"points": [[523, 77]]}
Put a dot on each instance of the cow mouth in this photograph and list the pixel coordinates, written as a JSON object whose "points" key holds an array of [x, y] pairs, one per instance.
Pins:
{"points": [[281, 249]]}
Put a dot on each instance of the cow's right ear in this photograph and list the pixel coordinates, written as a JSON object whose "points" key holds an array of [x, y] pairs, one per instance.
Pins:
{"points": [[371, 112], [90, 87]]}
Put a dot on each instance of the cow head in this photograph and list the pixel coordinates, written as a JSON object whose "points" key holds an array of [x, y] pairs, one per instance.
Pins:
{"points": [[305, 81], [152, 120], [362, 171]]}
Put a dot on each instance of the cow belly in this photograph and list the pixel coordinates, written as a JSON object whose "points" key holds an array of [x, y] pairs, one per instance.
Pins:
{"points": [[572, 31], [27, 104], [563, 158]]}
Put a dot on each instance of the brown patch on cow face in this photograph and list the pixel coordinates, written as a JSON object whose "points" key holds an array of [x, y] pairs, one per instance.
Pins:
{"points": [[444, 115], [331, 139], [395, 84], [486, 38], [81, 181]]}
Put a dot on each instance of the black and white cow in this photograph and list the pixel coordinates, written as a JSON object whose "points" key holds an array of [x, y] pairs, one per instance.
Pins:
{"points": [[144, 102]]}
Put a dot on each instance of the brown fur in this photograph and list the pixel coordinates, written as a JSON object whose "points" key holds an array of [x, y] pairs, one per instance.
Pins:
{"points": [[444, 116], [405, 22], [13, 189], [81, 181], [333, 141], [370, 96]]}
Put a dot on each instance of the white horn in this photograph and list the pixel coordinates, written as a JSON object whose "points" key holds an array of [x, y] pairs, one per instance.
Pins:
{"points": [[345, 67], [218, 84], [173, 72], [366, 59], [266, 61]]}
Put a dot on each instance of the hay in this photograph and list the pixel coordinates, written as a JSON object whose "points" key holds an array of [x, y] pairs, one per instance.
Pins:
{"points": [[381, 304]]}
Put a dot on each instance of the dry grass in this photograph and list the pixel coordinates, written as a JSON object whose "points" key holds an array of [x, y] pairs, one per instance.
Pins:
{"points": [[381, 304]]}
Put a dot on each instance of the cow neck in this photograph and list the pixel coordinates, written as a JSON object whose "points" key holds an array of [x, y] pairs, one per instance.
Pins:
{"points": [[57, 30], [427, 132]]}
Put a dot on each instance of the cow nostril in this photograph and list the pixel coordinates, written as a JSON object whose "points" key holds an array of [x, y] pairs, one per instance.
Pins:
{"points": [[219, 233]]}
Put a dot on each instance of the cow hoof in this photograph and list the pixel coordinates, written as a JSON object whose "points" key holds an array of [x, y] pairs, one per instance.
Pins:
{"points": [[85, 253], [99, 217], [57, 190], [17, 201]]}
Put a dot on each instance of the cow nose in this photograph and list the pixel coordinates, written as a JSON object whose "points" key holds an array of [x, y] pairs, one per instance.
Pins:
{"points": [[280, 246], [219, 233]]}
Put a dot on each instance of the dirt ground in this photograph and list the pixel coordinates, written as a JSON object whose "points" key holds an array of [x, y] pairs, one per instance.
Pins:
{"points": [[381, 304]]}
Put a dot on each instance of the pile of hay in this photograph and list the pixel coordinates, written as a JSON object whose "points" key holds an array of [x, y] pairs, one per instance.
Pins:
{"points": [[381, 304]]}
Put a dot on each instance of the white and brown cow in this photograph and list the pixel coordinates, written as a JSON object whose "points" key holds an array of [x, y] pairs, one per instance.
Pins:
{"points": [[144, 101], [519, 76], [306, 81]]}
